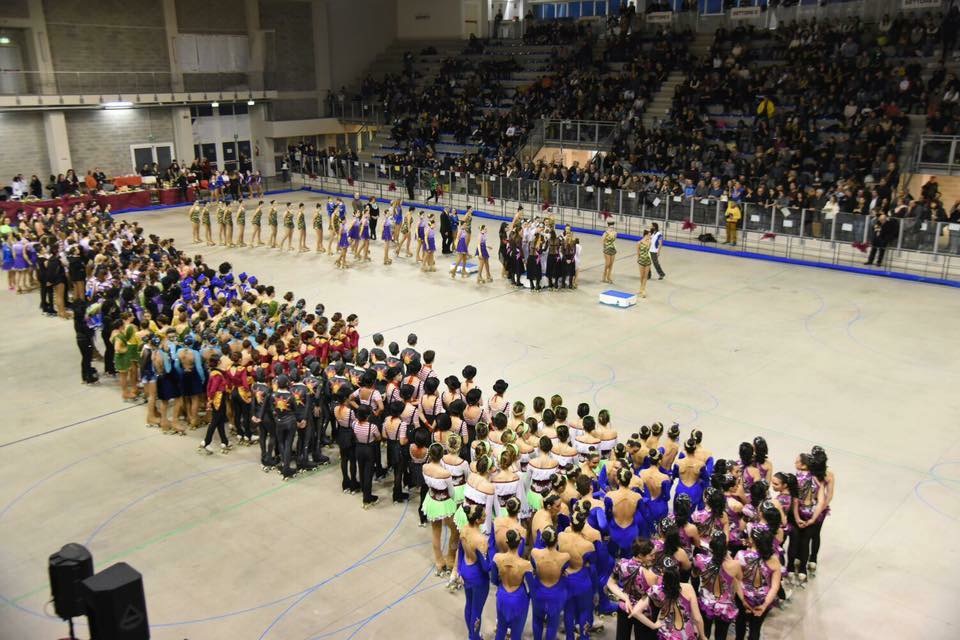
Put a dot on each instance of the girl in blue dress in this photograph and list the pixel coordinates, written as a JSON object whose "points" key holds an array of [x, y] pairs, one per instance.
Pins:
{"points": [[343, 245], [430, 248], [8, 265], [364, 251]]}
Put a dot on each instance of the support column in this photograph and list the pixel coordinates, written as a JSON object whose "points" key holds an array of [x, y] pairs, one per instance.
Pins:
{"points": [[170, 24], [58, 144], [38, 45], [262, 145], [257, 40], [182, 135], [322, 55]]}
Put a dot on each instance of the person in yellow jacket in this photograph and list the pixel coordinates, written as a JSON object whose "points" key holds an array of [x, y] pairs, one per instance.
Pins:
{"points": [[732, 216], [766, 108]]}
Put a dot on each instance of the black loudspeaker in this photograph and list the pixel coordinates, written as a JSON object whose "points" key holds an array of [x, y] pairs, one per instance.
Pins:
{"points": [[116, 607], [67, 568]]}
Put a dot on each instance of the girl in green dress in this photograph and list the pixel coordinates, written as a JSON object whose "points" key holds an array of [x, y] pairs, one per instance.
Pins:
{"points": [[205, 220], [643, 259], [228, 226], [301, 229], [318, 227], [272, 221], [195, 220], [241, 223], [257, 220], [287, 228], [609, 252]]}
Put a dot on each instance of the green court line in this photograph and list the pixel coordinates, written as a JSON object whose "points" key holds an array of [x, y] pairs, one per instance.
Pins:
{"points": [[188, 526]]}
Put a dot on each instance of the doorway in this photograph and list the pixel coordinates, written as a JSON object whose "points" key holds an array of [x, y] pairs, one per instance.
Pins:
{"points": [[161, 153]]}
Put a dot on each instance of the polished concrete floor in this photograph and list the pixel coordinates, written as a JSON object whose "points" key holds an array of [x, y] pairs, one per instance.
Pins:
{"points": [[865, 367]]}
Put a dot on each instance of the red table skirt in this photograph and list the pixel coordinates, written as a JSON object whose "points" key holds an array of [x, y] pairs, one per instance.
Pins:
{"points": [[126, 200], [172, 196]]}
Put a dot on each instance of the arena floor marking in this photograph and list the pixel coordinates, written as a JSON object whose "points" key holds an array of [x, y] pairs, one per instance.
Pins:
{"points": [[67, 426]]}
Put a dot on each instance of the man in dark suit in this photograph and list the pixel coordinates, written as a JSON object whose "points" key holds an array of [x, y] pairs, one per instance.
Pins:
{"points": [[884, 232], [446, 233]]}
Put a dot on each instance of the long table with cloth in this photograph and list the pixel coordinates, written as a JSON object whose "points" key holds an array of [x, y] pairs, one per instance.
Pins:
{"points": [[119, 201]]}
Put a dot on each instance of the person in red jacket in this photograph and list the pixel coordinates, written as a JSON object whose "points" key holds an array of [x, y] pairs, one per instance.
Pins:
{"points": [[218, 394], [241, 399]]}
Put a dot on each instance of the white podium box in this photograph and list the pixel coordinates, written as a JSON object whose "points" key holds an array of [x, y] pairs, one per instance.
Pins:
{"points": [[472, 268], [618, 298]]}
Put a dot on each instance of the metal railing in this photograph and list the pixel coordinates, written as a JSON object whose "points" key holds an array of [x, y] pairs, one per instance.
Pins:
{"points": [[126, 82], [938, 154], [923, 248], [592, 134]]}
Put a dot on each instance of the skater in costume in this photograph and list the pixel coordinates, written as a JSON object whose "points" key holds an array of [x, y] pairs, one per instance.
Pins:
{"points": [[195, 220], [218, 394], [483, 257], [759, 585], [459, 470], [387, 236], [609, 243], [421, 237], [548, 585], [318, 228], [473, 565], [363, 251], [578, 607], [256, 222], [720, 579], [342, 247], [354, 234], [462, 254], [439, 506], [644, 261], [272, 223], [691, 474], [288, 224], [241, 223], [228, 226], [541, 471], [509, 572], [301, 229], [429, 261]]}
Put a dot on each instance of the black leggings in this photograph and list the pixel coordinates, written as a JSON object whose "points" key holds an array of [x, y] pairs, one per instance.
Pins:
{"points": [[746, 619], [793, 547], [627, 626], [815, 540], [241, 415], [805, 539], [217, 420], [365, 454], [721, 627], [348, 461]]}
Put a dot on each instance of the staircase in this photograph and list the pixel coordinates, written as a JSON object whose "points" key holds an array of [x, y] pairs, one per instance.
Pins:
{"points": [[659, 107]]}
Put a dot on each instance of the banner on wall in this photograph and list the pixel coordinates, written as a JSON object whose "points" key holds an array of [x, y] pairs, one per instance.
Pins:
{"points": [[212, 54], [660, 17], [922, 4], [744, 13]]}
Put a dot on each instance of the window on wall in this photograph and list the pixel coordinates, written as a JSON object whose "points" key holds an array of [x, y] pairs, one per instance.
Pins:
{"points": [[201, 111], [229, 156], [209, 152]]}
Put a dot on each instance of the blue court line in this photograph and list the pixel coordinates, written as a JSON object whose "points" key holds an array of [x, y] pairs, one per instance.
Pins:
{"points": [[406, 596], [66, 426], [388, 607], [336, 575], [752, 255], [164, 487]]}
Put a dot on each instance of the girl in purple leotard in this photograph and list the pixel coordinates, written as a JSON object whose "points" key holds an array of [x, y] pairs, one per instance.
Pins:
{"points": [[819, 468], [761, 581], [387, 236], [483, 256], [720, 576], [364, 251], [430, 248], [343, 245], [462, 253]]}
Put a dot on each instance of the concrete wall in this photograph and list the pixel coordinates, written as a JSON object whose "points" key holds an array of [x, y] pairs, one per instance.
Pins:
{"points": [[359, 31], [211, 16], [102, 138], [289, 48], [15, 9], [107, 35], [424, 19], [24, 145]]}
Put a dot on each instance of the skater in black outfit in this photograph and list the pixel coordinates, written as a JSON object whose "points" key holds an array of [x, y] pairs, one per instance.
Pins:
{"points": [[84, 335], [534, 268]]}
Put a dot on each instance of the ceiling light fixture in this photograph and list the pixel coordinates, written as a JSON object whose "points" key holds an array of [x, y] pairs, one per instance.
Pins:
{"points": [[214, 104], [250, 103], [117, 104]]}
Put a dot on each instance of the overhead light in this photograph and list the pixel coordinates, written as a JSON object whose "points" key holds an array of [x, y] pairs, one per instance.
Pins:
{"points": [[4, 40], [214, 104], [117, 104], [250, 103]]}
